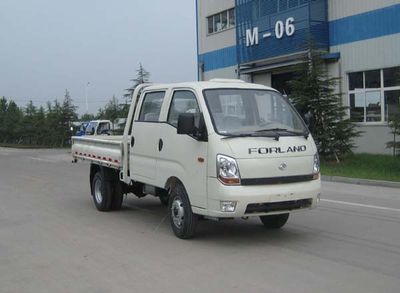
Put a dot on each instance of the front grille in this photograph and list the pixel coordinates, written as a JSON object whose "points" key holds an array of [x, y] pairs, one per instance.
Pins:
{"points": [[277, 180], [278, 206]]}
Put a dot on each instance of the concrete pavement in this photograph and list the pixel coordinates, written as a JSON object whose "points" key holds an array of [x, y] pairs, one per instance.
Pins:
{"points": [[52, 239]]}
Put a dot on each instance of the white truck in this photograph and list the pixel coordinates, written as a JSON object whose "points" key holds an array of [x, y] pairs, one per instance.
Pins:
{"points": [[215, 150]]}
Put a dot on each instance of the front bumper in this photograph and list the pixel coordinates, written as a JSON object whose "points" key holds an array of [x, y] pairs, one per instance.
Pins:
{"points": [[291, 195]]}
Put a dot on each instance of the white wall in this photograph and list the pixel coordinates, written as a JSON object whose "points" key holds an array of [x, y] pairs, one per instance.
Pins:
{"points": [[373, 140], [344, 8], [370, 54], [264, 79], [216, 41], [228, 72], [366, 55]]}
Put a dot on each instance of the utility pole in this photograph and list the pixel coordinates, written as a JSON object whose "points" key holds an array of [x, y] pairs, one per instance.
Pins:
{"points": [[86, 96]]}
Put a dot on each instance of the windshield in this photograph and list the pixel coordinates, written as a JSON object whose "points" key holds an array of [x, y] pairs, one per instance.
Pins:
{"points": [[103, 127], [247, 111], [91, 126], [83, 126]]}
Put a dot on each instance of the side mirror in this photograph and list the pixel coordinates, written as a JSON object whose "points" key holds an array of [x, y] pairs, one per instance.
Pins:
{"points": [[186, 124], [193, 125]]}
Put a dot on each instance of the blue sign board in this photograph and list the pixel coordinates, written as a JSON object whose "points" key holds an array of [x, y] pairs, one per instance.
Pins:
{"points": [[272, 28]]}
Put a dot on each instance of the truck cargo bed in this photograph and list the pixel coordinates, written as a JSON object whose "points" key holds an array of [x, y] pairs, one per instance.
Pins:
{"points": [[105, 151]]}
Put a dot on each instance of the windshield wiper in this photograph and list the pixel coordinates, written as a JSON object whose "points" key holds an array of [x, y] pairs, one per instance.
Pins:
{"points": [[252, 134], [276, 130]]}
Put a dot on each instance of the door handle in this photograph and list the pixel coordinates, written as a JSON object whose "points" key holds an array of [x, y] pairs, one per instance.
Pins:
{"points": [[132, 141], [160, 145]]}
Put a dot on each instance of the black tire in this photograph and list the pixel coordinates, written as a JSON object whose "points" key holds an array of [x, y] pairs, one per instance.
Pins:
{"points": [[118, 196], [182, 219], [164, 201], [102, 192], [274, 221], [164, 198]]}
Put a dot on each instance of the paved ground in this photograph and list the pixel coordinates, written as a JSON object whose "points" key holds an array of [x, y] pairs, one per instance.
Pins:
{"points": [[52, 239]]}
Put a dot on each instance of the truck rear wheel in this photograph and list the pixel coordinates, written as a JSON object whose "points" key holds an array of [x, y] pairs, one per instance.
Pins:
{"points": [[102, 192], [164, 200], [163, 196], [117, 197], [274, 221], [183, 221]]}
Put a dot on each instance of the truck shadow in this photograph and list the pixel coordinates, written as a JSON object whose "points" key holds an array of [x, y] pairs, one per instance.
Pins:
{"points": [[225, 232], [247, 232]]}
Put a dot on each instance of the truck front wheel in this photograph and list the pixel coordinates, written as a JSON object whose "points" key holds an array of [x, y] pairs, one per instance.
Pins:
{"points": [[102, 192], [274, 221], [183, 221]]}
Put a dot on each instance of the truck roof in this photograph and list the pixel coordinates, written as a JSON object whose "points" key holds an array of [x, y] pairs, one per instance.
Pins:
{"points": [[98, 121], [211, 84]]}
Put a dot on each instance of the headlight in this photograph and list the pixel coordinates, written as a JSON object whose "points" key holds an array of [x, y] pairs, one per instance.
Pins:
{"points": [[227, 170], [316, 168]]}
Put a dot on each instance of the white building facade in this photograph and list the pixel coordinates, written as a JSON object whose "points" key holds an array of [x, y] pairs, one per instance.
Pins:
{"points": [[262, 40]]}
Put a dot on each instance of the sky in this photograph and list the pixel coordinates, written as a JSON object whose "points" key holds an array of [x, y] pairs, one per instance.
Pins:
{"points": [[48, 46]]}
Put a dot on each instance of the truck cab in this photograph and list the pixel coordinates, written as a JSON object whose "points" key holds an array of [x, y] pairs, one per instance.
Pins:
{"points": [[217, 150], [98, 127], [82, 128]]}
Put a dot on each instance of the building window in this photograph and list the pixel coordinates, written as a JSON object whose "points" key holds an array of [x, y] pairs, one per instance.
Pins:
{"points": [[268, 7], [221, 21], [391, 77], [374, 95]]}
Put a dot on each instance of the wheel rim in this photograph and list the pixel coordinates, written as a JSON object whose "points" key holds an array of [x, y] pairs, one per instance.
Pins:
{"points": [[97, 191], [177, 212]]}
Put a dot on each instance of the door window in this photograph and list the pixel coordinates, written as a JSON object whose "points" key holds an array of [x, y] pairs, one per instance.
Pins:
{"points": [[103, 128], [151, 107], [182, 102]]}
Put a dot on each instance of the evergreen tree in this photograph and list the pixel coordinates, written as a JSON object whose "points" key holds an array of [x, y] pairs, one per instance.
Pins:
{"points": [[54, 124], [3, 112], [29, 124], [112, 110], [100, 114], [12, 123], [39, 127], [67, 116], [41, 131], [87, 117], [315, 97], [142, 76], [394, 124]]}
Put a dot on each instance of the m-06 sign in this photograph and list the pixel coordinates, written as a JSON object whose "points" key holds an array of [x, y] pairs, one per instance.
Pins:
{"points": [[273, 28], [282, 28]]}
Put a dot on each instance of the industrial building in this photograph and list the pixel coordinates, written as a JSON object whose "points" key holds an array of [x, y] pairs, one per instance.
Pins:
{"points": [[261, 41]]}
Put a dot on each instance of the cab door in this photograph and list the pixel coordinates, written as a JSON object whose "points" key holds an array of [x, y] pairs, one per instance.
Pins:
{"points": [[144, 138], [182, 156]]}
